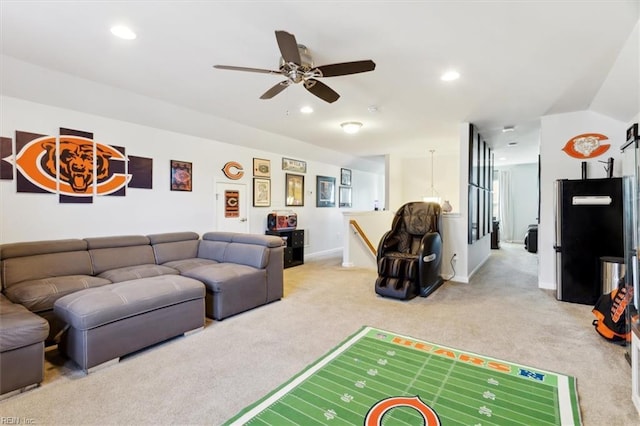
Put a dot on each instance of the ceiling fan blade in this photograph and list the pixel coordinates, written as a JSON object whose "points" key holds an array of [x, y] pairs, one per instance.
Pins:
{"points": [[232, 68], [321, 90], [288, 47], [346, 68], [275, 90]]}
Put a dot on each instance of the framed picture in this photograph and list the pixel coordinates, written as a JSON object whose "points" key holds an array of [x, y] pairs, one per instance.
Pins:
{"points": [[261, 192], [181, 176], [474, 141], [261, 167], [345, 177], [297, 166], [473, 215], [481, 164], [325, 191], [344, 196], [294, 190]]}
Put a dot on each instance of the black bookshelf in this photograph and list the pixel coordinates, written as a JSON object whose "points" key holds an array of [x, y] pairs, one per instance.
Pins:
{"points": [[294, 251]]}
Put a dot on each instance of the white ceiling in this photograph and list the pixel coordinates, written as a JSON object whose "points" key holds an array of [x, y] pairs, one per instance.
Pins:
{"points": [[518, 61]]}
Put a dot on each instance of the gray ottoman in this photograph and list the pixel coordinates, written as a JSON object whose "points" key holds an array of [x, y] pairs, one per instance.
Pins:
{"points": [[117, 319], [22, 335]]}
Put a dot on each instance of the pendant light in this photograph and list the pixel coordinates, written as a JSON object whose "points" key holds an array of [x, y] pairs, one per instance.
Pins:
{"points": [[433, 196]]}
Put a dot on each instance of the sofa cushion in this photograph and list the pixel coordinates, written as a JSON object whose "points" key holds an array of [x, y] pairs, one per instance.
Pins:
{"points": [[138, 271], [177, 250], [40, 295], [232, 237], [19, 327], [18, 269], [219, 275], [185, 265], [239, 253], [105, 259], [91, 308], [171, 237], [116, 241], [31, 248]]}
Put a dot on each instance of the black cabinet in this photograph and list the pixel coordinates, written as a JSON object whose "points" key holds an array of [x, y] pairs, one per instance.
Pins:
{"points": [[294, 251]]}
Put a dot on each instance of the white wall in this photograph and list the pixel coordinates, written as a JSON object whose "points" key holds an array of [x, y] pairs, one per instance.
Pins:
{"points": [[416, 177], [26, 217], [523, 205], [556, 130]]}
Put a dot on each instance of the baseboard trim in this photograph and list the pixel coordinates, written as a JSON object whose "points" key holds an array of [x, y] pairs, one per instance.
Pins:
{"points": [[326, 254]]}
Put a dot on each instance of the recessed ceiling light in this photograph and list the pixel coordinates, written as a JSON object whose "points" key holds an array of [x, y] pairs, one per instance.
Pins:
{"points": [[450, 75], [306, 110], [508, 129], [123, 32], [502, 158], [351, 127]]}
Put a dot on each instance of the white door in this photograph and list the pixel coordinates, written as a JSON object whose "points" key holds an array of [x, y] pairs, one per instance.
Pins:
{"points": [[232, 207]]}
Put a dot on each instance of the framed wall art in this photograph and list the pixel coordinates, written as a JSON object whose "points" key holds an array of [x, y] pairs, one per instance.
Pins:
{"points": [[261, 167], [345, 177], [181, 176], [325, 191], [261, 192], [294, 190], [291, 165], [344, 196], [474, 142]]}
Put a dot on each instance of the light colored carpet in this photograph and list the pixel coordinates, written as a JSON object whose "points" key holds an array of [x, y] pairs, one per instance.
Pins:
{"points": [[207, 377]]}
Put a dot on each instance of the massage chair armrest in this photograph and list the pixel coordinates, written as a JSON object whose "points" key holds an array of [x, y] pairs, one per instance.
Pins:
{"points": [[427, 247]]}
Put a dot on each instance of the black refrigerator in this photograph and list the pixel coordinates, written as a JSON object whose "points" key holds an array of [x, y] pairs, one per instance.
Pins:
{"points": [[589, 225]]}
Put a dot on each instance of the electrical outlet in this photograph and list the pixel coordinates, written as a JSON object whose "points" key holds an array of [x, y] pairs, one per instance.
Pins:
{"points": [[454, 257]]}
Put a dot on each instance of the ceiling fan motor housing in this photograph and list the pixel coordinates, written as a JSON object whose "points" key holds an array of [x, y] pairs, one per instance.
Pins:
{"points": [[306, 61]]}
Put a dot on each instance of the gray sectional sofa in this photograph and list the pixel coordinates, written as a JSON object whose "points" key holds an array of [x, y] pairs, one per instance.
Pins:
{"points": [[105, 297]]}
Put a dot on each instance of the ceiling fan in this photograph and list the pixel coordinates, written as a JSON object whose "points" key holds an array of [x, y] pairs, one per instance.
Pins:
{"points": [[296, 64]]}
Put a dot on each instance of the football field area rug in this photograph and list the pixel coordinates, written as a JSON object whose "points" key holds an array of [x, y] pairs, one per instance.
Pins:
{"points": [[377, 377]]}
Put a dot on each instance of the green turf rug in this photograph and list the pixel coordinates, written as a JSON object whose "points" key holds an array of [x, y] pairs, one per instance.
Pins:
{"points": [[377, 377]]}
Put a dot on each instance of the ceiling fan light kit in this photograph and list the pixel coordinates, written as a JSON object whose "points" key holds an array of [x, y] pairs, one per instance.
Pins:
{"points": [[296, 64]]}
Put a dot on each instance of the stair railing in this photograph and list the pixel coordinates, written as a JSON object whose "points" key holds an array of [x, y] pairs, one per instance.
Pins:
{"points": [[362, 235]]}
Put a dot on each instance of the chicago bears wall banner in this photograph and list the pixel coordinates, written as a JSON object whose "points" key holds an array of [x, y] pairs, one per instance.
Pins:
{"points": [[6, 151], [72, 165], [231, 204]]}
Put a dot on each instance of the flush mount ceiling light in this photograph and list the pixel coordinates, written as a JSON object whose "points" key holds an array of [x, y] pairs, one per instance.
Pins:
{"points": [[123, 32], [351, 127], [306, 110], [450, 75], [506, 129]]}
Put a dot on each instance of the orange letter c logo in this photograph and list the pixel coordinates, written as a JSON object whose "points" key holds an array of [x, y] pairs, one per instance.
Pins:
{"points": [[375, 414], [233, 174]]}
